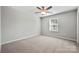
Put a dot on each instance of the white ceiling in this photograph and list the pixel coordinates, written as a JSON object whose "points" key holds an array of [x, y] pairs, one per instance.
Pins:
{"points": [[54, 10], [59, 9]]}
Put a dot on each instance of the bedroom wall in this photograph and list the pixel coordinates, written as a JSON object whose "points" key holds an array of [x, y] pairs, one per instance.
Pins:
{"points": [[0, 28], [78, 25], [0, 24], [67, 25], [18, 23]]}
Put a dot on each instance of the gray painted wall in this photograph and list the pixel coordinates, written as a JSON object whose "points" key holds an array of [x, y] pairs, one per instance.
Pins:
{"points": [[18, 22], [0, 24], [67, 25], [78, 25], [0, 28]]}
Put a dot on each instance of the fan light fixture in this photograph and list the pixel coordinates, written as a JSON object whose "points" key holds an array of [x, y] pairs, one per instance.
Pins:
{"points": [[43, 13], [43, 10]]}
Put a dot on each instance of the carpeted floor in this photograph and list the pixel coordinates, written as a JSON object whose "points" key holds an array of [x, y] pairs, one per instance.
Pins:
{"points": [[41, 44]]}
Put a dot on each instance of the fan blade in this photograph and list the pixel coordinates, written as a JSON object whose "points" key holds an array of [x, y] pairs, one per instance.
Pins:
{"points": [[49, 7], [43, 7], [38, 8]]}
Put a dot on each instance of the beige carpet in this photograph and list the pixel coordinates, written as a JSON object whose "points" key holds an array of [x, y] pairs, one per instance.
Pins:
{"points": [[40, 44]]}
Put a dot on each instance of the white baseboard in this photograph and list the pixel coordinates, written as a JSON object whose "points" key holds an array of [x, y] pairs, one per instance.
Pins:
{"points": [[19, 39], [61, 37], [68, 38]]}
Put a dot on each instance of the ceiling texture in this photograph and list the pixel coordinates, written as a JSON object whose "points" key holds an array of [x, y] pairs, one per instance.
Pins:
{"points": [[53, 10], [60, 9]]}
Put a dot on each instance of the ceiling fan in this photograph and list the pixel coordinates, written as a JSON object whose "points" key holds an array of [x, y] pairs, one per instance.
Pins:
{"points": [[43, 10]]}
